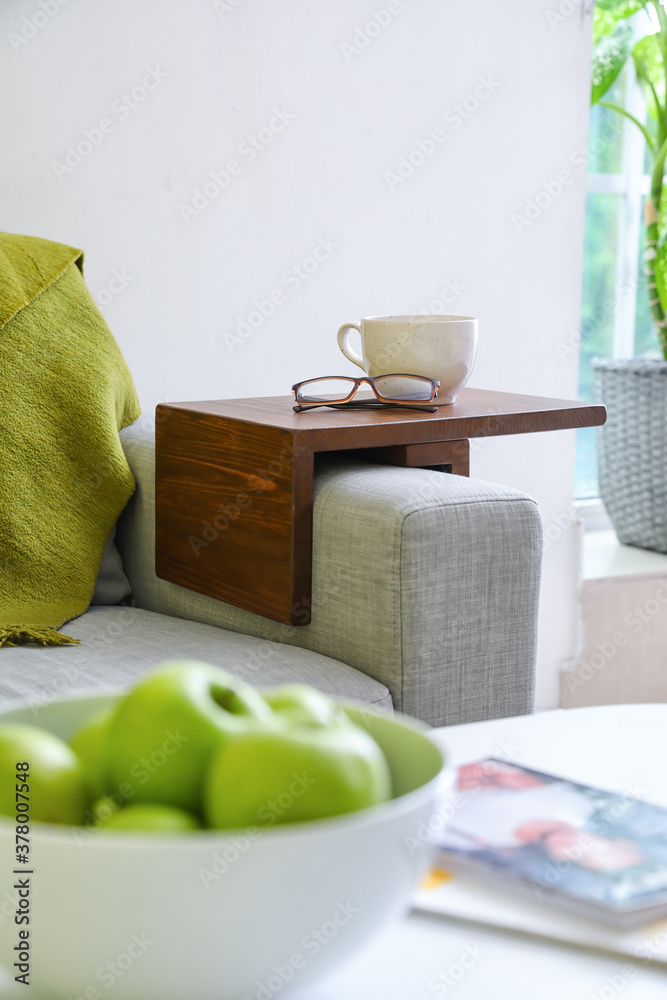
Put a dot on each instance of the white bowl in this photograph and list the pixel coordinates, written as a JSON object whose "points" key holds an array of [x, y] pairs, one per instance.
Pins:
{"points": [[212, 916]]}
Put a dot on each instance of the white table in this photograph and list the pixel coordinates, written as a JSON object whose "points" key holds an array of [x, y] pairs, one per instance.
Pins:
{"points": [[619, 747]]}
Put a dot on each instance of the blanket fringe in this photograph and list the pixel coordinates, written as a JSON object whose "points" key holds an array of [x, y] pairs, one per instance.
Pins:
{"points": [[21, 635]]}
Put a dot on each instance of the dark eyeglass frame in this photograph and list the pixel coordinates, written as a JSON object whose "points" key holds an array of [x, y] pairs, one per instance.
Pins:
{"points": [[435, 385]]}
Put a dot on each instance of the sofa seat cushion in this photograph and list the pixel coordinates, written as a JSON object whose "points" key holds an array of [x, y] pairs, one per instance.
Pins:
{"points": [[119, 644]]}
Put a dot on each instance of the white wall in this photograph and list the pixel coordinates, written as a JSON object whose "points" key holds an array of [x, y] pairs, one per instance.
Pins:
{"points": [[323, 177]]}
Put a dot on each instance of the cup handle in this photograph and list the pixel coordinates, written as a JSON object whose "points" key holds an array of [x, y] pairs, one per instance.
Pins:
{"points": [[351, 355]]}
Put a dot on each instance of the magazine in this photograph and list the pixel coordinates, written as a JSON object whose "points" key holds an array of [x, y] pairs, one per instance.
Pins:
{"points": [[599, 853]]}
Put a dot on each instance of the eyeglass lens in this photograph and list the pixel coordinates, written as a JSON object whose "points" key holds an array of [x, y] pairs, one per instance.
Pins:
{"points": [[397, 387], [391, 387], [323, 390]]}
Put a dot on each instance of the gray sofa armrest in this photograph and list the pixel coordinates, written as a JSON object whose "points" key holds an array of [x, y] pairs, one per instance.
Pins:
{"points": [[427, 582]]}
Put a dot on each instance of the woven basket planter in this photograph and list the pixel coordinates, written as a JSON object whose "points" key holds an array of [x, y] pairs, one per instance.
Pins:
{"points": [[632, 449]]}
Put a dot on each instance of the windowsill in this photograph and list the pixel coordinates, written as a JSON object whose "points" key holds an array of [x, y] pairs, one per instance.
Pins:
{"points": [[592, 515], [604, 556]]}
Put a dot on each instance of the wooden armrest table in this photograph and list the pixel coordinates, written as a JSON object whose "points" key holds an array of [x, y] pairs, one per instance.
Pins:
{"points": [[234, 480]]}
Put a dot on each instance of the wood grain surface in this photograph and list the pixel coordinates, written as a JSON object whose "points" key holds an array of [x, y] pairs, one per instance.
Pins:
{"points": [[234, 480], [476, 413]]}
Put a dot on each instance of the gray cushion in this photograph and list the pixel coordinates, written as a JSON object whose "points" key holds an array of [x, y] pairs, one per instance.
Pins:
{"points": [[111, 586], [118, 645]]}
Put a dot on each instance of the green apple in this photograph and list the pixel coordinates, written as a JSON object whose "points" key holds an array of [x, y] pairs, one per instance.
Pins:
{"points": [[57, 791], [88, 744], [294, 773], [166, 728], [149, 817], [305, 705]]}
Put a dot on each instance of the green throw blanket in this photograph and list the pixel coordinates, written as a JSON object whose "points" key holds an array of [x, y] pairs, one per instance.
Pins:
{"points": [[65, 392]]}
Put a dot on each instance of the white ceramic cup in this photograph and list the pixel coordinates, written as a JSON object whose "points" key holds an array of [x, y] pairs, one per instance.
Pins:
{"points": [[440, 347]]}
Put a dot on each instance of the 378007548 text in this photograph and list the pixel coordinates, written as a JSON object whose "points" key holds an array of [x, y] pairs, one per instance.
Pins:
{"points": [[22, 885]]}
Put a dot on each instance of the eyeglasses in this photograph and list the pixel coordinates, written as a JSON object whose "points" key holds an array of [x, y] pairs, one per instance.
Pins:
{"points": [[389, 390]]}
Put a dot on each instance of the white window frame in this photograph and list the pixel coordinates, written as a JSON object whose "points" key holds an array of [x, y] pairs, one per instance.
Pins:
{"points": [[631, 185]]}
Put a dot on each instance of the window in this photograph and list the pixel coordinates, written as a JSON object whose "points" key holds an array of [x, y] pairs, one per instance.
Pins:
{"points": [[615, 320]]}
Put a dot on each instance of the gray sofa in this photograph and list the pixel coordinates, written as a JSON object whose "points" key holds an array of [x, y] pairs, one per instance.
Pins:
{"points": [[425, 591]]}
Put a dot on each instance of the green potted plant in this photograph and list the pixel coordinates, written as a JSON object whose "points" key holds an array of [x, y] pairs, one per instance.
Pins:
{"points": [[632, 446]]}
